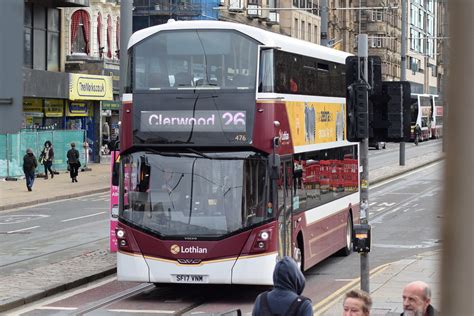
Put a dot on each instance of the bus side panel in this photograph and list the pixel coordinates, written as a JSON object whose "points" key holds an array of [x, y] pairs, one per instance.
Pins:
{"points": [[254, 269], [131, 267], [326, 227]]}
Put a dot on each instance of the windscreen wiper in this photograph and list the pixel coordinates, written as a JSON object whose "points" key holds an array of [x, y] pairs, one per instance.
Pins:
{"points": [[199, 153], [161, 153]]}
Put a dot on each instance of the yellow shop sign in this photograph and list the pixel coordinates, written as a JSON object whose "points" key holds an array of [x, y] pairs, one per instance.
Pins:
{"points": [[90, 87]]}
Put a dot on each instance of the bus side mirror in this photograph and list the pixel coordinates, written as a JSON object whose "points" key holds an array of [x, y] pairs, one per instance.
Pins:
{"points": [[145, 170], [116, 172], [275, 166]]}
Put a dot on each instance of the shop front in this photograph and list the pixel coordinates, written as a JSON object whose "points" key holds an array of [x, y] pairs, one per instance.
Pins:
{"points": [[86, 92], [40, 114]]}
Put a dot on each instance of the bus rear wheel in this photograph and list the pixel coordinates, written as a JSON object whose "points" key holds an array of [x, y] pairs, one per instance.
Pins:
{"points": [[298, 254], [348, 247]]}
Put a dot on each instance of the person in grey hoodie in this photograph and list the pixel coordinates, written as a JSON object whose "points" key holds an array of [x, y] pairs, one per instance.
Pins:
{"points": [[285, 298]]}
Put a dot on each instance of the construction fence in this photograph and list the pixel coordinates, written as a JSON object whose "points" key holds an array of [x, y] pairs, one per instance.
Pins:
{"points": [[13, 149]]}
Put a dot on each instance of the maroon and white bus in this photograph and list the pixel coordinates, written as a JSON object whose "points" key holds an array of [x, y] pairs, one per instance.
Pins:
{"points": [[233, 154]]}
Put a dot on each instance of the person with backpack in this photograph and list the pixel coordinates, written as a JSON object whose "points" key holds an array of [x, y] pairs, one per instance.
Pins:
{"points": [[73, 162], [285, 298], [29, 168], [46, 158]]}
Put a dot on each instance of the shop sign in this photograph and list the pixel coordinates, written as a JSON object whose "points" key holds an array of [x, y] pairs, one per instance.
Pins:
{"points": [[90, 87], [77, 109], [111, 105], [53, 108], [33, 105]]}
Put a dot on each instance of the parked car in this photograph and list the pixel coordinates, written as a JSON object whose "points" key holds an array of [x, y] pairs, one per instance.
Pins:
{"points": [[377, 145]]}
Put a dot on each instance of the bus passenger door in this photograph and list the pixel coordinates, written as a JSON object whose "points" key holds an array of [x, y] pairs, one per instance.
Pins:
{"points": [[284, 192]]}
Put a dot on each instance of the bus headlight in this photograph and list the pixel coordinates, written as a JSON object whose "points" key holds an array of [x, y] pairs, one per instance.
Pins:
{"points": [[264, 235], [120, 233]]}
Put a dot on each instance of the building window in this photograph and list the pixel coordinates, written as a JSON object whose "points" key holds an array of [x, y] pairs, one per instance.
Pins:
{"points": [[296, 28], [310, 35], [80, 32], [109, 37], [377, 15], [99, 37], [316, 34], [27, 37], [303, 31], [117, 38], [377, 40], [41, 38], [52, 44]]}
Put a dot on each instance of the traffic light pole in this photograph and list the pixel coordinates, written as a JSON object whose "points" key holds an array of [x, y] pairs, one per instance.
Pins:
{"points": [[403, 66], [363, 53]]}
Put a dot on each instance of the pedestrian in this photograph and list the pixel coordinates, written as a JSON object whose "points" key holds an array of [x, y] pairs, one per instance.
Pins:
{"points": [[285, 298], [29, 168], [417, 134], [73, 162], [357, 303], [417, 300], [46, 158]]}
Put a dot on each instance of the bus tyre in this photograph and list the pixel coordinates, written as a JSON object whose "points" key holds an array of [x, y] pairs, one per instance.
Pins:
{"points": [[348, 247], [298, 257]]}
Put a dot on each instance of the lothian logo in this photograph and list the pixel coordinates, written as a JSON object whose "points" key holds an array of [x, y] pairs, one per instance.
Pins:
{"points": [[175, 249]]}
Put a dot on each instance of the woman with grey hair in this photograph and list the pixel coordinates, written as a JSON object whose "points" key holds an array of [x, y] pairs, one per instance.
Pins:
{"points": [[29, 167]]}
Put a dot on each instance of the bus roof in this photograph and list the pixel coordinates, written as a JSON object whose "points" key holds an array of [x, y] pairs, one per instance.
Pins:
{"points": [[267, 38]]}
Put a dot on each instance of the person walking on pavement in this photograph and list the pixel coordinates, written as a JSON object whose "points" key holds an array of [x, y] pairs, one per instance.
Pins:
{"points": [[46, 158], [29, 168], [285, 298], [73, 162], [357, 303], [417, 134], [417, 300]]}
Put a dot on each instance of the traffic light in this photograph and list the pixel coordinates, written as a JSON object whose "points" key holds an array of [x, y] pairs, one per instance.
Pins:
{"points": [[357, 112], [374, 69], [390, 117]]}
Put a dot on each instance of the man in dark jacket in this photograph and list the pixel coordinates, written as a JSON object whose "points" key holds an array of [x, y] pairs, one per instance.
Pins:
{"points": [[29, 168], [417, 300], [284, 299], [73, 162]]}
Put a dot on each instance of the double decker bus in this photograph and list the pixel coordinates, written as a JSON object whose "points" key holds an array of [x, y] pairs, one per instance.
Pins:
{"points": [[422, 109], [438, 113], [233, 153]]}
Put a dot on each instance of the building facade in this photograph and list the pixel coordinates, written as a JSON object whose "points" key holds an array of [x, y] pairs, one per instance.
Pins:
{"points": [[296, 18], [422, 50], [91, 46], [45, 83]]}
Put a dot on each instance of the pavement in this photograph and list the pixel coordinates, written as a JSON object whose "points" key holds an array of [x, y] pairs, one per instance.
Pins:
{"points": [[22, 288], [14, 194], [386, 285]]}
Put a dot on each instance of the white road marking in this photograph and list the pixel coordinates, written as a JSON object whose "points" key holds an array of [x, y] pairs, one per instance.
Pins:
{"points": [[50, 202], [404, 175], [57, 308], [21, 230], [141, 311], [15, 219], [370, 204], [387, 204], [80, 217]]}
